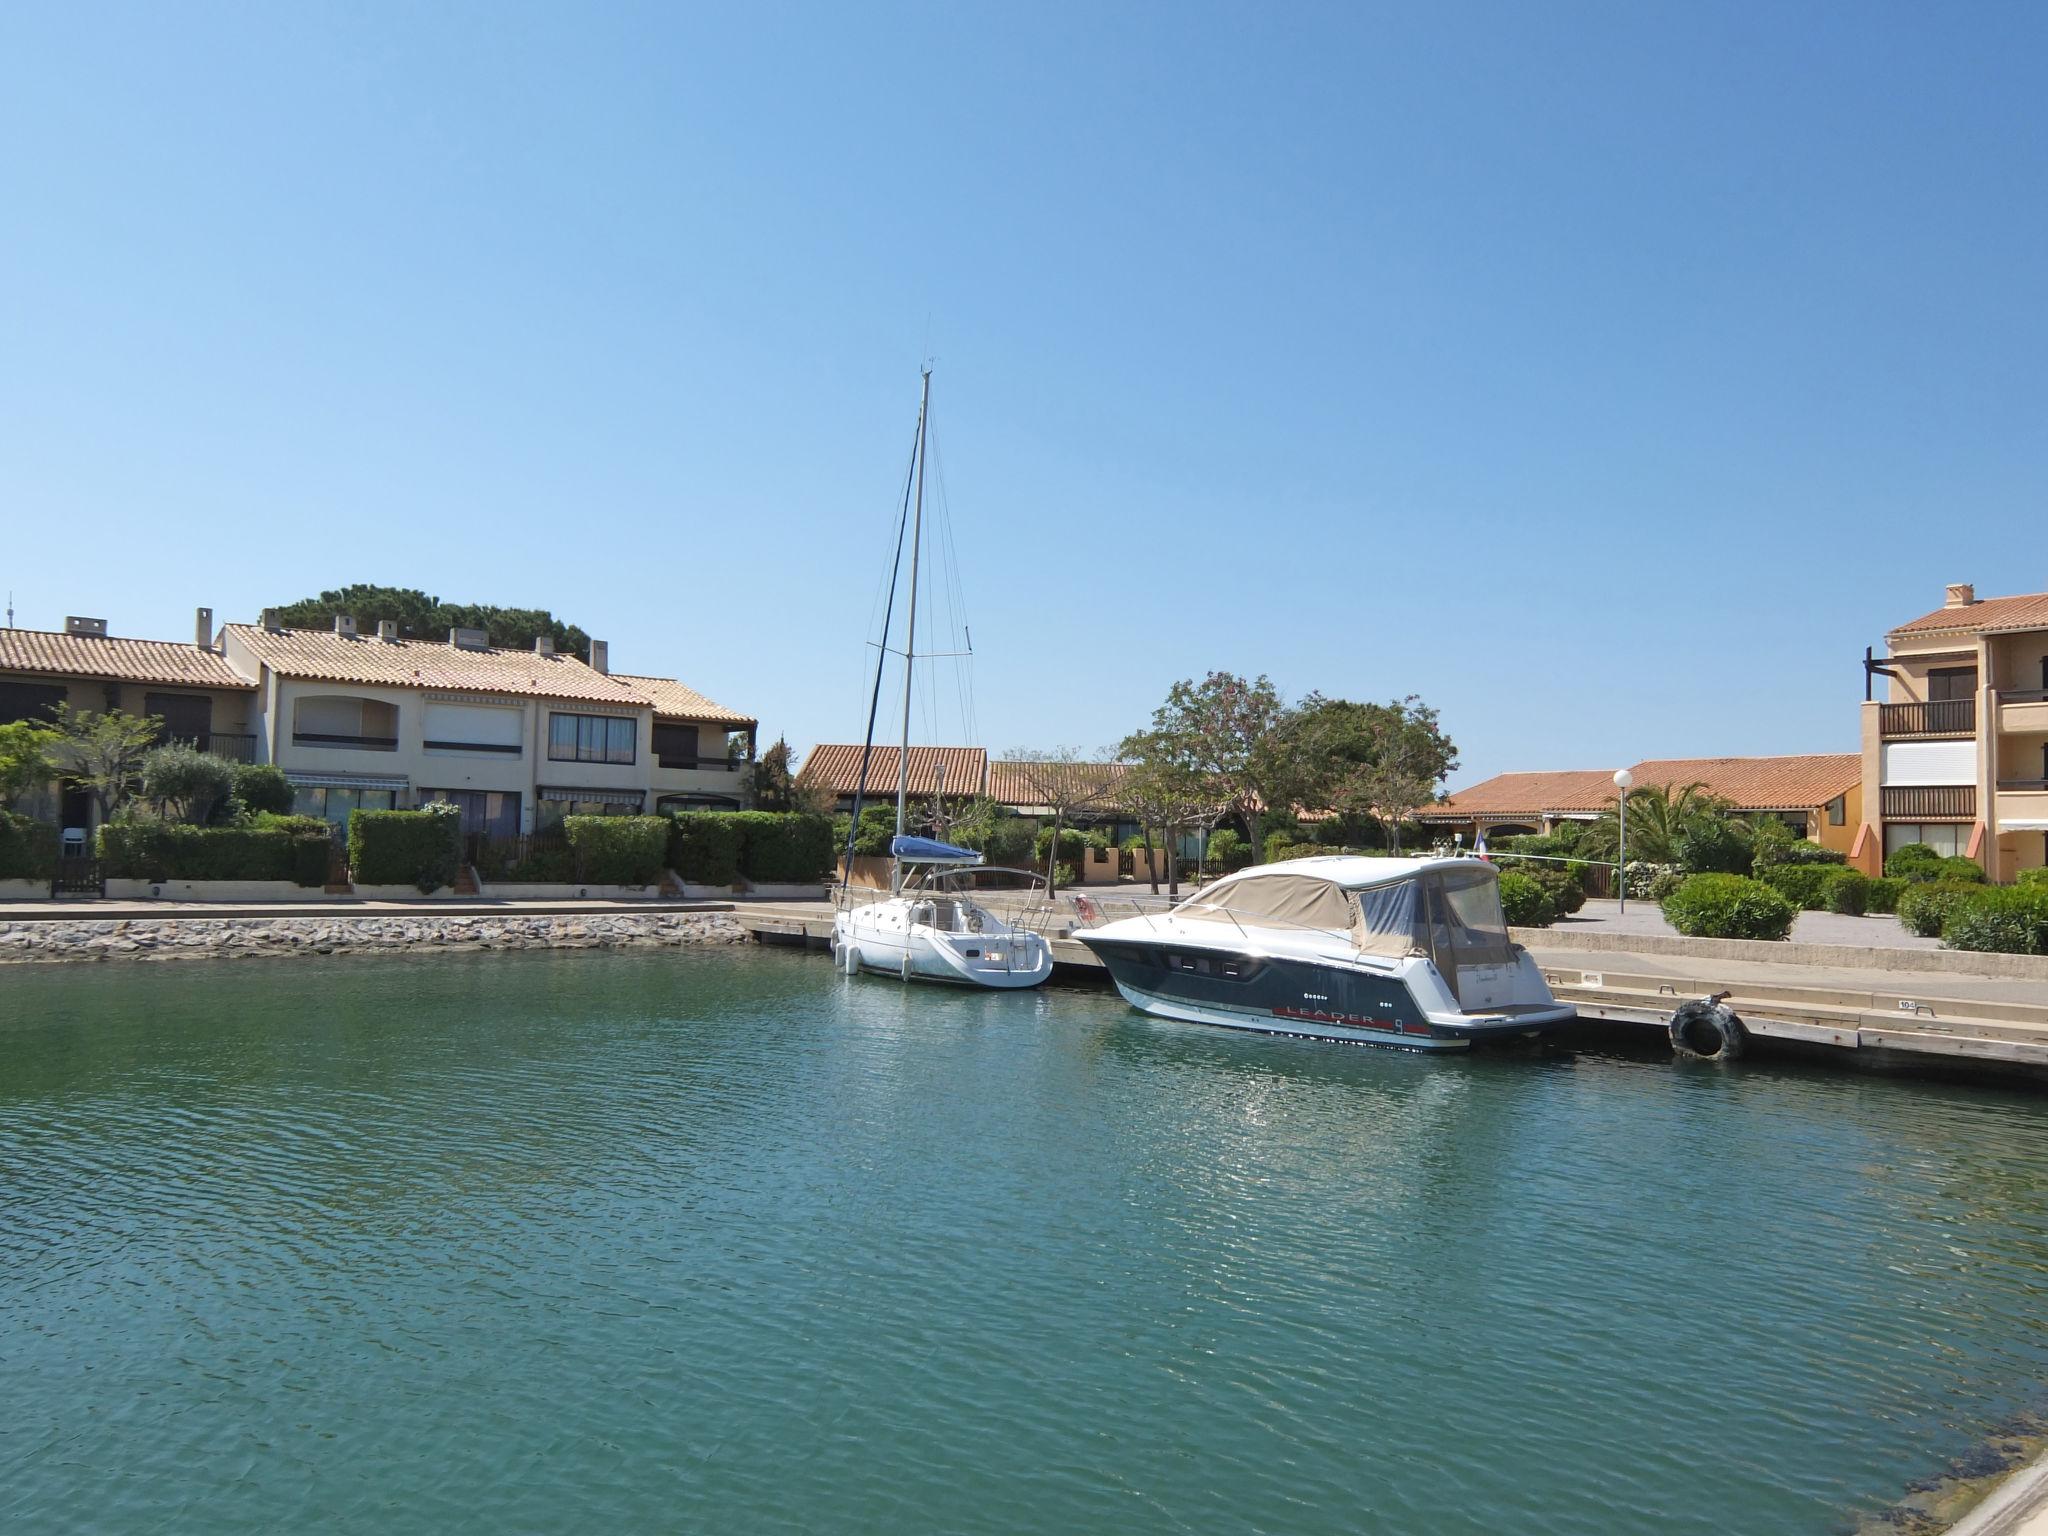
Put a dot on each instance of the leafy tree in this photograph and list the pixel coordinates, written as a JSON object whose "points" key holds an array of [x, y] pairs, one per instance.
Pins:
{"points": [[1384, 761], [421, 617], [102, 751], [993, 830], [770, 785], [185, 784], [1064, 783], [26, 761], [1220, 730], [1162, 790], [263, 787]]}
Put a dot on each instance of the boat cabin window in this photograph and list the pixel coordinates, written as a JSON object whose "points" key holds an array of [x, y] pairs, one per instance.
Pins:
{"points": [[1465, 922]]}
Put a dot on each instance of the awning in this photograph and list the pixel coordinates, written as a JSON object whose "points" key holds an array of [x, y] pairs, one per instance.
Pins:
{"points": [[348, 780], [2020, 823], [632, 797]]}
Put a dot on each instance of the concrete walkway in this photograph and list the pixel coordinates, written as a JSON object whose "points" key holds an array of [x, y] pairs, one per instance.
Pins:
{"points": [[1811, 927]]}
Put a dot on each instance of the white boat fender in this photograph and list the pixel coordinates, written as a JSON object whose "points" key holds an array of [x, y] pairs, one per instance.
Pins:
{"points": [[1707, 1029]]}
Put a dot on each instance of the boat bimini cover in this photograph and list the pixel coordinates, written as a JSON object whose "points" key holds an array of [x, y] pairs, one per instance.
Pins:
{"points": [[925, 850]]}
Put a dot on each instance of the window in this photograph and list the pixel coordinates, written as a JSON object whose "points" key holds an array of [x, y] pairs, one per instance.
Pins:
{"points": [[675, 746], [332, 803], [1838, 811], [489, 811], [1952, 683], [591, 738], [186, 716], [29, 701], [1946, 838], [550, 813], [472, 729], [337, 720]]}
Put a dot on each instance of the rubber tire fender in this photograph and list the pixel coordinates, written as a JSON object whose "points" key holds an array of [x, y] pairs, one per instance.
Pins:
{"points": [[1705, 1021]]}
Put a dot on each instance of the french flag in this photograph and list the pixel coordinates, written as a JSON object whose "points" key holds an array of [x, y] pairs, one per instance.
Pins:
{"points": [[1480, 847]]}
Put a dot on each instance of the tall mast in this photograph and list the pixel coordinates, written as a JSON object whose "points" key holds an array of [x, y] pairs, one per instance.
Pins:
{"points": [[924, 407]]}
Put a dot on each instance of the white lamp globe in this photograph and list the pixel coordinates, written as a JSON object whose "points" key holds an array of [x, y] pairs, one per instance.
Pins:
{"points": [[1623, 778]]}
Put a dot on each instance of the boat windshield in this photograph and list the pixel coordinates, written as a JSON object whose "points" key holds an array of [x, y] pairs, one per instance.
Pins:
{"points": [[1466, 925]]}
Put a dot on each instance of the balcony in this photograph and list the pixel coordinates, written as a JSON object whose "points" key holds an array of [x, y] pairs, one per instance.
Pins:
{"points": [[351, 743], [225, 744], [1929, 802], [2023, 803], [1937, 717], [2023, 713]]}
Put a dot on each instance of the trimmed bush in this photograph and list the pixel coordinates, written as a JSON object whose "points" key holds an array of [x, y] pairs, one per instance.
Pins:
{"points": [[1558, 882], [1804, 885], [619, 850], [184, 782], [28, 848], [1924, 905], [1729, 907], [2005, 920], [2035, 876], [1073, 845], [263, 787], [165, 850], [1909, 857], [1667, 882], [1968, 870], [704, 846], [1883, 895], [421, 848], [1063, 874], [784, 848], [1848, 892], [1226, 850], [1524, 903]]}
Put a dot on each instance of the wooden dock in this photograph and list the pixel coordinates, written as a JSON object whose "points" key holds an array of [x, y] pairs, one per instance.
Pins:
{"points": [[1886, 1024]]}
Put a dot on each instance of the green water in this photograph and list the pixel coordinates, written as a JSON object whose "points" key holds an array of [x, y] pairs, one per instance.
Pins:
{"points": [[720, 1242]]}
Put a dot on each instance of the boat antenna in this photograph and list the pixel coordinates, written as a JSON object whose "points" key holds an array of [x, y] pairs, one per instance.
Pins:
{"points": [[867, 751], [924, 411]]}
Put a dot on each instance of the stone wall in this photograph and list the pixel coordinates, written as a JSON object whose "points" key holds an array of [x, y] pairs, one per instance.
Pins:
{"points": [[205, 938]]}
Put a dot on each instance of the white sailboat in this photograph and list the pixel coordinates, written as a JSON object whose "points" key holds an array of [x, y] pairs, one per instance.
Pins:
{"points": [[929, 927]]}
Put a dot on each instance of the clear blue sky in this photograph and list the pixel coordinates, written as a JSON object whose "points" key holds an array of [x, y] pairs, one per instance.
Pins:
{"points": [[1608, 375]]}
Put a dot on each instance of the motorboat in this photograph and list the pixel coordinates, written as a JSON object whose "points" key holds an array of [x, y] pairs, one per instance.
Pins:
{"points": [[1395, 951], [933, 929]]}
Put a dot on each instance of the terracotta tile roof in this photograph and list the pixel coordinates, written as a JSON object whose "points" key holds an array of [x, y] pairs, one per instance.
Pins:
{"points": [[2027, 611], [1761, 783], [835, 767], [1750, 783], [132, 661], [672, 701], [327, 657], [1022, 785], [1527, 795]]}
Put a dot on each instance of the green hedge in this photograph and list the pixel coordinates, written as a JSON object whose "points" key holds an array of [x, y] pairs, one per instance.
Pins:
{"points": [[2009, 920], [419, 848], [1524, 903], [784, 847], [704, 846], [28, 848], [1920, 863], [2038, 875], [1820, 887], [619, 850], [1924, 906], [1729, 907], [1883, 895], [159, 850]]}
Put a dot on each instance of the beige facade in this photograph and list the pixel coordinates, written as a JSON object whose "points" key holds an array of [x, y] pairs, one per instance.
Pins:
{"points": [[1956, 751]]}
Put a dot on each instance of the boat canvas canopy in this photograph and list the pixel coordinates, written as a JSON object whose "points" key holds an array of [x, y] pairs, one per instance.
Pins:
{"points": [[925, 850], [1289, 900]]}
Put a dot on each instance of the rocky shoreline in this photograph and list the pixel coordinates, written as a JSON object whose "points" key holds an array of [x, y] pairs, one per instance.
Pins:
{"points": [[223, 938]]}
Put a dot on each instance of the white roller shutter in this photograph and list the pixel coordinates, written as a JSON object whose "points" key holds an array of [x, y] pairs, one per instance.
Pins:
{"points": [[474, 725], [1930, 762]]}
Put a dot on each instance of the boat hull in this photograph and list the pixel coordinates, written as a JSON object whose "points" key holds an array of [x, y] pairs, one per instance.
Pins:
{"points": [[1000, 959], [1288, 995]]}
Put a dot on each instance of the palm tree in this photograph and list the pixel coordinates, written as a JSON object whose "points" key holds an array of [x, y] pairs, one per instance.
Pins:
{"points": [[1658, 815]]}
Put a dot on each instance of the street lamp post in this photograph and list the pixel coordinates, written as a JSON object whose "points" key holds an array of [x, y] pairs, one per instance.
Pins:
{"points": [[1622, 779]]}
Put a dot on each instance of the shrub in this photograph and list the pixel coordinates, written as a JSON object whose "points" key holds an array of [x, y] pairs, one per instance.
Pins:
{"points": [[1729, 907], [1848, 891], [1804, 885], [704, 846], [169, 850], [1924, 905], [1524, 903], [263, 787], [2007, 920], [185, 783], [1639, 875], [783, 848], [1968, 870], [1073, 845], [1915, 861], [28, 848], [619, 850], [1712, 845], [1063, 874], [2035, 876], [1883, 895], [1667, 882], [1558, 882], [1772, 843], [1227, 850], [421, 848]]}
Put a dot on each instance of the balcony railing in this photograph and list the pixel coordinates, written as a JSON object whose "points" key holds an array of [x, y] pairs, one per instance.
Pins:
{"points": [[1930, 802], [235, 748], [355, 743], [1937, 717]]}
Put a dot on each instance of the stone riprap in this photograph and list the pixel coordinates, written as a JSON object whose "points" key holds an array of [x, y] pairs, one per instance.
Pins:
{"points": [[205, 938]]}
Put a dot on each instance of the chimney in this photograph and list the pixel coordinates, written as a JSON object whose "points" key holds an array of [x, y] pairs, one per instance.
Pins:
{"points": [[543, 645], [269, 620], [600, 656], [345, 625], [387, 629], [1960, 595], [73, 625], [202, 629], [470, 639]]}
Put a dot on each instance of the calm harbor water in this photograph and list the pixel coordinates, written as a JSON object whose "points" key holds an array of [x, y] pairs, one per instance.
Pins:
{"points": [[722, 1242]]}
